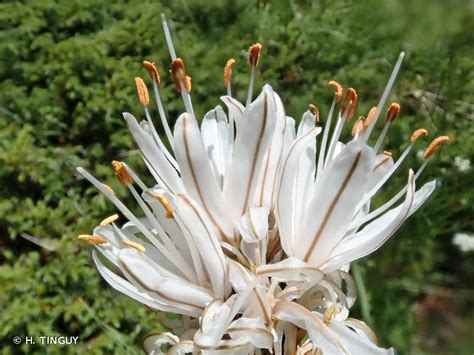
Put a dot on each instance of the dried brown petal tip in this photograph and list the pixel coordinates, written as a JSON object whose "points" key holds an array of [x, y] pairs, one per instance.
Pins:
{"points": [[358, 126], [136, 246], [370, 116], [92, 239], [338, 87], [418, 133], [142, 91], [106, 221], [393, 112], [314, 110], [434, 146], [152, 70], [254, 54], [122, 173], [228, 71], [179, 75], [350, 104]]}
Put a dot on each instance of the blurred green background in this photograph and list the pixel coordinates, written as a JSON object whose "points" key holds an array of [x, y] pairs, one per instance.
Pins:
{"points": [[66, 74]]}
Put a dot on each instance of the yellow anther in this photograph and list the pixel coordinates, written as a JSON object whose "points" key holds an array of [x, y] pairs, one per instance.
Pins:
{"points": [[350, 104], [106, 221], [329, 314], [228, 71], [387, 152], [152, 70], [108, 188], [358, 126], [179, 75], [142, 91], [370, 116], [121, 172], [314, 110], [434, 146], [165, 203], [393, 112], [254, 54], [92, 239], [134, 245], [338, 87], [418, 133]]}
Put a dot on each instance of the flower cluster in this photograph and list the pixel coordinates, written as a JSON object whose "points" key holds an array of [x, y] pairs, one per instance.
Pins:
{"points": [[249, 232]]}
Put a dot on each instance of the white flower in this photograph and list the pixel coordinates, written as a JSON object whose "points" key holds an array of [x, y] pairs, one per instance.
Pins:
{"points": [[462, 164], [464, 241], [249, 228]]}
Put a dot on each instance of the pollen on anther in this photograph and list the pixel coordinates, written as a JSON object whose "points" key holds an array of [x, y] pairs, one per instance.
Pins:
{"points": [[92, 239], [338, 87], [358, 126], [393, 112], [179, 75], [387, 152], [254, 54], [106, 221], [165, 203], [350, 103], [370, 116], [434, 146], [152, 70], [228, 71], [418, 133], [136, 246], [121, 172], [314, 110], [142, 91], [329, 314]]}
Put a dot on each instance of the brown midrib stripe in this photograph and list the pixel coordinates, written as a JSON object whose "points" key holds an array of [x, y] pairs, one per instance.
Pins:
{"points": [[380, 164], [331, 207], [257, 150], [193, 174], [145, 287]]}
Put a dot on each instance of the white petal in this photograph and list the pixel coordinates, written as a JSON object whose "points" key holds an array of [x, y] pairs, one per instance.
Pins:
{"points": [[252, 139], [291, 269], [268, 174], [371, 237], [207, 242], [153, 342], [285, 191], [197, 174], [145, 274], [215, 136], [253, 225], [154, 156], [252, 329], [337, 192], [236, 109]]}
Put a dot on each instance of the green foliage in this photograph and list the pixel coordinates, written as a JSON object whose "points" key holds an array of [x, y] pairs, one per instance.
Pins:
{"points": [[66, 74]]}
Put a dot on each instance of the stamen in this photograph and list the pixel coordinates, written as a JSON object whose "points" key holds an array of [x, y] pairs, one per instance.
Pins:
{"points": [[152, 70], [254, 57], [106, 221], [418, 133], [384, 97], [122, 173], [350, 103], [338, 87], [254, 54], [228, 72], [92, 239], [434, 146], [142, 91], [370, 116], [314, 110], [179, 75], [169, 41], [393, 112], [165, 203], [387, 152], [329, 314], [136, 246], [108, 188], [358, 126]]}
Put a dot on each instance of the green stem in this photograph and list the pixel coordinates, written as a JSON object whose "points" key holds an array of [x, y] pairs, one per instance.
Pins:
{"points": [[362, 292]]}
